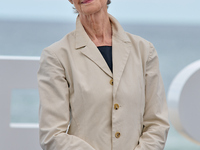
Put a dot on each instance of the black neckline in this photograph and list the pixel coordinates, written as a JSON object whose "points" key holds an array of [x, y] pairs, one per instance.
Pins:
{"points": [[103, 46]]}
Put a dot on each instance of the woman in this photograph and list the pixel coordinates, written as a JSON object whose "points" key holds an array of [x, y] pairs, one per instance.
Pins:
{"points": [[104, 83]]}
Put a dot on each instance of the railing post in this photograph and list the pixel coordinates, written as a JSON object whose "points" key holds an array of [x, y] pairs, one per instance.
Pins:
{"points": [[17, 73]]}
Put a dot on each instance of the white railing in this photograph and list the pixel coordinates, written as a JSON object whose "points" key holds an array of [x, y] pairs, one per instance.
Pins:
{"points": [[17, 73]]}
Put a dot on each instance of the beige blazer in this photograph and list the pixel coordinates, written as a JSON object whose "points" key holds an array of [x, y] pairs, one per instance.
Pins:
{"points": [[123, 110]]}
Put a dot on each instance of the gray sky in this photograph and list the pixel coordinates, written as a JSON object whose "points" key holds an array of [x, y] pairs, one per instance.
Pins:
{"points": [[134, 11]]}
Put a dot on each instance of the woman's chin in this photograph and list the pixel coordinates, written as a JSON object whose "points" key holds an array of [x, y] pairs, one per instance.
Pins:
{"points": [[90, 11]]}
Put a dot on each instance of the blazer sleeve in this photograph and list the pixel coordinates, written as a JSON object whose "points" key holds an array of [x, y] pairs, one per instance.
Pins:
{"points": [[155, 118], [54, 111]]}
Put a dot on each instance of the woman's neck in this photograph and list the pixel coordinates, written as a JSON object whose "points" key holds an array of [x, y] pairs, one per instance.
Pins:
{"points": [[98, 28]]}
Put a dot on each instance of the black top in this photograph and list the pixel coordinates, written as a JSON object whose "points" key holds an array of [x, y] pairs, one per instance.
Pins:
{"points": [[106, 52]]}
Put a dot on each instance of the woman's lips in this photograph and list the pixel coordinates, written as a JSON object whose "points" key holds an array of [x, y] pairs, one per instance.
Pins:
{"points": [[86, 1]]}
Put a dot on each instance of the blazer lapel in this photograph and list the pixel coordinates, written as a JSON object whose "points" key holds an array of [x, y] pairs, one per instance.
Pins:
{"points": [[120, 56], [94, 55], [89, 49], [121, 49]]}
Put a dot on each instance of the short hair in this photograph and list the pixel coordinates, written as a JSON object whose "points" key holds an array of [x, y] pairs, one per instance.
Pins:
{"points": [[108, 2]]}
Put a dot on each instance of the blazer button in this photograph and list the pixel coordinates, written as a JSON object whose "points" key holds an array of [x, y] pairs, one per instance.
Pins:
{"points": [[111, 81], [116, 106], [117, 134]]}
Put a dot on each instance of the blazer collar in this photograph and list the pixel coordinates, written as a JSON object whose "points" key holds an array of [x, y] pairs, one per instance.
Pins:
{"points": [[82, 38]]}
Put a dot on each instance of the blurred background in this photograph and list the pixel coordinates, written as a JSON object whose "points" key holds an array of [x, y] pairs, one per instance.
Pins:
{"points": [[173, 26]]}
